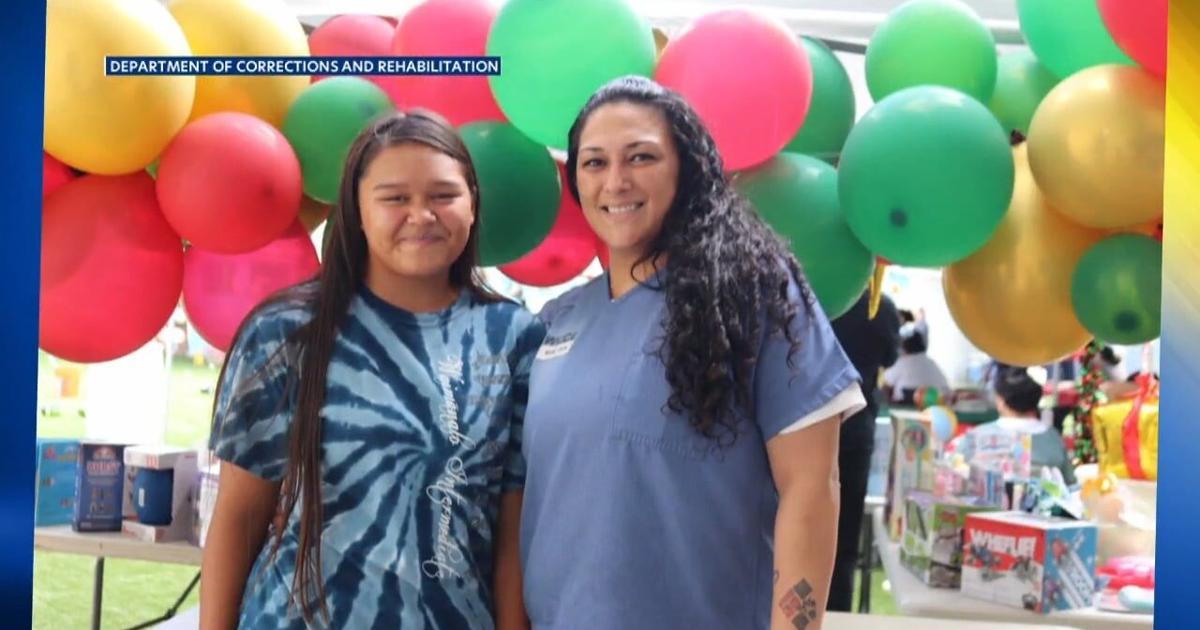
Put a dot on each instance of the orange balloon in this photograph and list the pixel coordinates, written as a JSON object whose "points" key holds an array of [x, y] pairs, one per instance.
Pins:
{"points": [[1012, 298], [313, 213]]}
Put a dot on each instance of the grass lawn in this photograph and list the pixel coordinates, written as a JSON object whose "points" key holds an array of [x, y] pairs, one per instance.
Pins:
{"points": [[136, 591]]}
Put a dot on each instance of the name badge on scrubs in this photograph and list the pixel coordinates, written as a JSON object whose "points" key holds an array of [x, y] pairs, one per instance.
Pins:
{"points": [[554, 347]]}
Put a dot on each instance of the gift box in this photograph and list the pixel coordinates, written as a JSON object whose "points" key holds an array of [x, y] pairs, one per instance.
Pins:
{"points": [[210, 478], [99, 487], [912, 466], [932, 543], [160, 490], [1126, 434], [57, 466], [1029, 561]]}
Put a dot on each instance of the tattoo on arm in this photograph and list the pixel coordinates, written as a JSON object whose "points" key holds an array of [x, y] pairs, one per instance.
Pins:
{"points": [[798, 605]]}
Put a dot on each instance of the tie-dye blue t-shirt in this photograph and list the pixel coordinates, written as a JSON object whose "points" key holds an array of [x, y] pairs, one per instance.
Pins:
{"points": [[422, 435]]}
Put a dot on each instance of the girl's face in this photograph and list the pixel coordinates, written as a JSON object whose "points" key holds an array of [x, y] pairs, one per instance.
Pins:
{"points": [[627, 172], [417, 213]]}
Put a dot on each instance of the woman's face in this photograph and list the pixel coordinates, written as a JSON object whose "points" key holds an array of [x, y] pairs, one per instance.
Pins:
{"points": [[416, 212], [627, 172]]}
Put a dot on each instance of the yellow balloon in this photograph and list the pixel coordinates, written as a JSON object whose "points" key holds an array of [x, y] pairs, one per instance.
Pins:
{"points": [[660, 41], [1096, 146], [245, 28], [1012, 298], [111, 125]]}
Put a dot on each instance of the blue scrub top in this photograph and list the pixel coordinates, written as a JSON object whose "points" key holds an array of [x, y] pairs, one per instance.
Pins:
{"points": [[632, 519], [422, 432]]}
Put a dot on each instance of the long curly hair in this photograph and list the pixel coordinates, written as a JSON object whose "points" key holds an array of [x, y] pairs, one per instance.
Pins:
{"points": [[725, 270]]}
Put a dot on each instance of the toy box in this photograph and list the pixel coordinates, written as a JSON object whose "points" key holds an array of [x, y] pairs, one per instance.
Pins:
{"points": [[206, 501], [912, 466], [57, 465], [1034, 562], [160, 488], [931, 547], [99, 487]]}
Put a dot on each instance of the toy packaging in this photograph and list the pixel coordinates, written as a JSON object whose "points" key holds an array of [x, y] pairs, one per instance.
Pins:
{"points": [[99, 487], [57, 466], [932, 544], [160, 488], [1029, 561], [912, 465]]}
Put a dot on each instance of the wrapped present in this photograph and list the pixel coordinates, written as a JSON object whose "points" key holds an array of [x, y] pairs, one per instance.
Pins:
{"points": [[1126, 433]]}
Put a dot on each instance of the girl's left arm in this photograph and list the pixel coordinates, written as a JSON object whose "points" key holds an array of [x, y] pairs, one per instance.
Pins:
{"points": [[510, 605], [804, 465]]}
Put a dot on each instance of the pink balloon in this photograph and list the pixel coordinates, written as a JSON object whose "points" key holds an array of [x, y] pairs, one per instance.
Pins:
{"points": [[748, 77], [54, 174], [353, 36], [446, 28], [220, 290], [565, 253], [1139, 27]]}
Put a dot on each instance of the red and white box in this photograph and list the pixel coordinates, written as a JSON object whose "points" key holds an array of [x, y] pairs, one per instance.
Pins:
{"points": [[1029, 561]]}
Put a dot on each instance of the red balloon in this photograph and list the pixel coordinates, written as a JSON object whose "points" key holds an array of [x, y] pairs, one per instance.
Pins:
{"points": [[112, 268], [565, 253], [748, 77], [229, 183], [446, 28], [353, 36], [220, 290], [1139, 27], [54, 174]]}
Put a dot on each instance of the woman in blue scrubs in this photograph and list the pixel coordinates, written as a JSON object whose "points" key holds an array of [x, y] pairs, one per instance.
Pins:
{"points": [[682, 430]]}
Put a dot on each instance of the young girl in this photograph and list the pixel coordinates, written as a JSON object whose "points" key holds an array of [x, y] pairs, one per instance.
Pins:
{"points": [[369, 420]]}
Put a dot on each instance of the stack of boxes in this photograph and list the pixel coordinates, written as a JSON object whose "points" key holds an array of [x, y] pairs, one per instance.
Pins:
{"points": [[957, 527]]}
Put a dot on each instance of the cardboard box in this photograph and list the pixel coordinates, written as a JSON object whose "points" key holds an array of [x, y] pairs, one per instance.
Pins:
{"points": [[912, 466], [1029, 561], [99, 487], [57, 466], [182, 465], [932, 543]]}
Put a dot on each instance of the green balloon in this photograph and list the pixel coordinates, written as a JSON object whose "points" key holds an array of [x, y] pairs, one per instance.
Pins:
{"points": [[926, 176], [1068, 35], [323, 122], [1117, 289], [152, 168], [518, 190], [797, 196], [932, 42], [1021, 84], [556, 53], [831, 113]]}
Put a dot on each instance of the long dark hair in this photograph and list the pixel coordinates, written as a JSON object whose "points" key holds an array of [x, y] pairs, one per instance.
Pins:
{"points": [[329, 295], [725, 269]]}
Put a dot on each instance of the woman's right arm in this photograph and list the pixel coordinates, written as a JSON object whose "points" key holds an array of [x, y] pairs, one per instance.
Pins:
{"points": [[245, 506]]}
